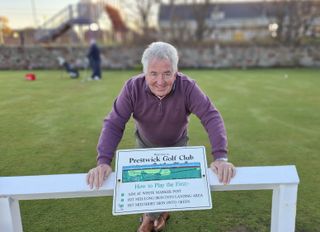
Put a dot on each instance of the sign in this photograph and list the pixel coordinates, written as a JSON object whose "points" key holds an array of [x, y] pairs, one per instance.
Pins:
{"points": [[161, 179]]}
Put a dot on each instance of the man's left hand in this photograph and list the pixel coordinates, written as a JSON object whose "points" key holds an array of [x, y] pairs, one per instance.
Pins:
{"points": [[224, 170]]}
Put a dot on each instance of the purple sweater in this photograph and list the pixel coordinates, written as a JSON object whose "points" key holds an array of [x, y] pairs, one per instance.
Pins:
{"points": [[162, 122]]}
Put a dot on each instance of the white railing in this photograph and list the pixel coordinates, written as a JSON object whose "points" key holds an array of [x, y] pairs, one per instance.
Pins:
{"points": [[283, 180]]}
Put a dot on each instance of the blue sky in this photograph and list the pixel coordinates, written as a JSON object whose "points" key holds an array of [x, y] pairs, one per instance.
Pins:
{"points": [[19, 12]]}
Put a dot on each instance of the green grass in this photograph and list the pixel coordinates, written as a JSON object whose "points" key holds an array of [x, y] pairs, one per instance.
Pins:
{"points": [[51, 126]]}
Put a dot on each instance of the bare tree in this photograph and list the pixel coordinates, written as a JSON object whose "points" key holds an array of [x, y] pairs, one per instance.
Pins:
{"points": [[200, 13], [144, 9], [4, 28], [141, 12], [294, 19], [179, 28], [189, 19]]}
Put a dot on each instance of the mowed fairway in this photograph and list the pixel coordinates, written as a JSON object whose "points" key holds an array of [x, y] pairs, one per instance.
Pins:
{"points": [[272, 116]]}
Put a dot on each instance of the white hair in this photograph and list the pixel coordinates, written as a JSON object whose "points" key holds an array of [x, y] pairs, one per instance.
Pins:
{"points": [[160, 50], [92, 41]]}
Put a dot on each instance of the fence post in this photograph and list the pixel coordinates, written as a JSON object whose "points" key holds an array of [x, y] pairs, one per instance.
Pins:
{"points": [[283, 213], [10, 219]]}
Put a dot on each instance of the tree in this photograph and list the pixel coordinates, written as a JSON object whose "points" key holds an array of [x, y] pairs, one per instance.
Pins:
{"points": [[189, 19], [179, 29], [200, 13], [4, 28], [141, 13], [294, 18]]}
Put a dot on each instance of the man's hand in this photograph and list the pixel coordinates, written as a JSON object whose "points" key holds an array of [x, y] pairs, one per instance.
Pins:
{"points": [[96, 176], [224, 170]]}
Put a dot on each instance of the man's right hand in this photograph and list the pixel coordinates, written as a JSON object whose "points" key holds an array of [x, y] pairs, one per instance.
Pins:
{"points": [[96, 176]]}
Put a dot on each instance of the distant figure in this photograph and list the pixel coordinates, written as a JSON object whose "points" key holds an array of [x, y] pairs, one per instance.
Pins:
{"points": [[73, 73], [94, 60]]}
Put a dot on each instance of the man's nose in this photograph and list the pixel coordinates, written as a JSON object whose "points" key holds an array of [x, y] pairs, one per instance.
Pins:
{"points": [[160, 80]]}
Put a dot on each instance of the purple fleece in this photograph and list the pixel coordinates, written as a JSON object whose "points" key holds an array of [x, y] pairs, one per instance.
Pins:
{"points": [[160, 122]]}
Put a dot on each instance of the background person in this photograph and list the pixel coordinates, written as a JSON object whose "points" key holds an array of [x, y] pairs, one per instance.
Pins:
{"points": [[94, 60], [73, 73], [160, 101]]}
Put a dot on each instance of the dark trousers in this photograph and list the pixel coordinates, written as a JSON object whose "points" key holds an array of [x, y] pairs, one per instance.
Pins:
{"points": [[96, 69]]}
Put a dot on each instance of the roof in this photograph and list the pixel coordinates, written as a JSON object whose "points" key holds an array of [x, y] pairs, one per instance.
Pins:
{"points": [[186, 11], [230, 10]]}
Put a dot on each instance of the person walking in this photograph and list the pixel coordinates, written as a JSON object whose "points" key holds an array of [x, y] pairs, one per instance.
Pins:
{"points": [[94, 60]]}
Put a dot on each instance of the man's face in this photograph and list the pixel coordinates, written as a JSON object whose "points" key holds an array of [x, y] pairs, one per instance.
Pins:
{"points": [[160, 77]]}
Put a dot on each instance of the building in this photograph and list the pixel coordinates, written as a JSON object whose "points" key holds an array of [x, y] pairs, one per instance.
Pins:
{"points": [[230, 21]]}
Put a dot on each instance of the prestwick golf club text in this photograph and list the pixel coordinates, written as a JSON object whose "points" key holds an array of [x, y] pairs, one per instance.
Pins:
{"points": [[161, 157]]}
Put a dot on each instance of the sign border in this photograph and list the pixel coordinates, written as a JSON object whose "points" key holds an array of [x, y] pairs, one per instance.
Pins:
{"points": [[205, 171]]}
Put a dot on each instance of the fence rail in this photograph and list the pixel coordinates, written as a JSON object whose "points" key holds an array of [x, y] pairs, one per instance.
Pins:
{"points": [[283, 180]]}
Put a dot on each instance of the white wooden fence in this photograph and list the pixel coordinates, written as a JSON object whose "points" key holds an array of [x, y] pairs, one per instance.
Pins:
{"points": [[282, 180]]}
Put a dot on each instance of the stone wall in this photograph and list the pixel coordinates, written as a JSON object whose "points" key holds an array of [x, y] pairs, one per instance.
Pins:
{"points": [[196, 57]]}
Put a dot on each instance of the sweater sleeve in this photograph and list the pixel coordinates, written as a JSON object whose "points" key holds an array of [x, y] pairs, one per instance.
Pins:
{"points": [[114, 125], [200, 105]]}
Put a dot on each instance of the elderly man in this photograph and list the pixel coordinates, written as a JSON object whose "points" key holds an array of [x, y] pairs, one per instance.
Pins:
{"points": [[160, 101]]}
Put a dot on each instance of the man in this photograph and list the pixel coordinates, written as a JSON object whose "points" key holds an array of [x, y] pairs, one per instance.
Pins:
{"points": [[94, 60], [160, 100], [73, 73]]}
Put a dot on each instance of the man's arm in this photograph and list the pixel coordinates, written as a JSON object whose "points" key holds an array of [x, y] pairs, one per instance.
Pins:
{"points": [[110, 136], [201, 106], [114, 125]]}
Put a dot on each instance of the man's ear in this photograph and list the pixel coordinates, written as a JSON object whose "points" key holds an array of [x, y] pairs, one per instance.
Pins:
{"points": [[175, 73]]}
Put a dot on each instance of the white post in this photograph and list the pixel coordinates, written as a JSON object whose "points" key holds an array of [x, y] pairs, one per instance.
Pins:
{"points": [[10, 219], [283, 214]]}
